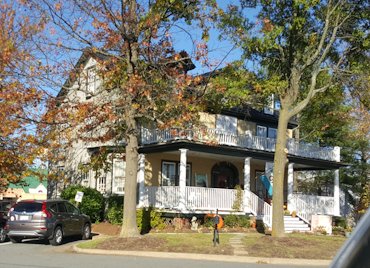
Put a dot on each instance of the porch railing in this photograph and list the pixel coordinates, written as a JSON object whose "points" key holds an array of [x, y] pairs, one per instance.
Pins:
{"points": [[204, 200], [261, 209], [207, 200], [150, 136], [308, 205], [196, 198]]}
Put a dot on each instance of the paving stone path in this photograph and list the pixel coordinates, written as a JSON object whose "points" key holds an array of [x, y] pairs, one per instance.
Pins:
{"points": [[237, 244]]}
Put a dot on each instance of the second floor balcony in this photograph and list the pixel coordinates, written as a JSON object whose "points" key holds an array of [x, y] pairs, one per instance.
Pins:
{"points": [[219, 137]]}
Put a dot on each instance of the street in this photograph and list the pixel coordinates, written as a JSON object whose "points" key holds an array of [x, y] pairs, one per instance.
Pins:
{"points": [[34, 253]]}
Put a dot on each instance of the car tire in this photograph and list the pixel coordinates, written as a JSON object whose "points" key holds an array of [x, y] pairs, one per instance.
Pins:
{"points": [[2, 235], [15, 239], [57, 236], [86, 232]]}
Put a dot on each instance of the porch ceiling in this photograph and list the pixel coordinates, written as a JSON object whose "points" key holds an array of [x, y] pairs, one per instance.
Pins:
{"points": [[237, 154]]}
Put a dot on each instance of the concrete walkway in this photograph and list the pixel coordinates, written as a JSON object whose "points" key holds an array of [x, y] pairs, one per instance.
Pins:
{"points": [[237, 244]]}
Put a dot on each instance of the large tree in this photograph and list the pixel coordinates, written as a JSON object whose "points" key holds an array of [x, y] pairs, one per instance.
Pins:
{"points": [[20, 95], [145, 80], [300, 47]]}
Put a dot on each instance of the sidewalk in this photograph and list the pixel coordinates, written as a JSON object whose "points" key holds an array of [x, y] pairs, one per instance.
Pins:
{"points": [[240, 255]]}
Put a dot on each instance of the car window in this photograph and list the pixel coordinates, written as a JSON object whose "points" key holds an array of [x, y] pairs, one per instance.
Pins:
{"points": [[61, 207], [3, 206], [28, 207], [53, 207], [71, 208]]}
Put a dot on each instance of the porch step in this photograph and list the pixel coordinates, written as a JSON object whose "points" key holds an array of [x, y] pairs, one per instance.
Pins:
{"points": [[295, 224]]}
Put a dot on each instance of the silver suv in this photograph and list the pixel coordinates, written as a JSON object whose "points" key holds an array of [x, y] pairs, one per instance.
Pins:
{"points": [[46, 219]]}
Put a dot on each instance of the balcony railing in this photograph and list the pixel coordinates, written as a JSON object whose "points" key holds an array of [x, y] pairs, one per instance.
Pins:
{"points": [[215, 136]]}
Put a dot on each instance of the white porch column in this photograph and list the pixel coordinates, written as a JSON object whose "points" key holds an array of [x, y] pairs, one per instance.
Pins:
{"points": [[141, 181], [336, 193], [182, 178], [291, 205], [247, 184], [269, 169]]}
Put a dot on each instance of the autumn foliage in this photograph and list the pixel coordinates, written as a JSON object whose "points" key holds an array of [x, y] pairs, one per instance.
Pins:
{"points": [[19, 95]]}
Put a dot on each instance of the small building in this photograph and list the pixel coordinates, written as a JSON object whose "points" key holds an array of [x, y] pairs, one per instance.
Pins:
{"points": [[28, 188]]}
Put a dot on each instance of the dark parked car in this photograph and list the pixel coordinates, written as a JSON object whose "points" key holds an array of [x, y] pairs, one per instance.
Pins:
{"points": [[46, 219], [4, 207]]}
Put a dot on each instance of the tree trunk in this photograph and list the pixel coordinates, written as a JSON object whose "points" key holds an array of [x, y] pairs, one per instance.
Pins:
{"points": [[129, 225], [280, 161]]}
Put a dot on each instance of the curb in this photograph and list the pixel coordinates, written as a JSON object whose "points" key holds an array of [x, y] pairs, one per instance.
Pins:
{"points": [[208, 257]]}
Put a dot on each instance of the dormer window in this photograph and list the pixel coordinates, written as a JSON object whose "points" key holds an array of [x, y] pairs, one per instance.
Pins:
{"points": [[91, 82]]}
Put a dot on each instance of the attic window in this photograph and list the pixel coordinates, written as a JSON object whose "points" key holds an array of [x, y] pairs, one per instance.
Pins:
{"points": [[90, 82]]}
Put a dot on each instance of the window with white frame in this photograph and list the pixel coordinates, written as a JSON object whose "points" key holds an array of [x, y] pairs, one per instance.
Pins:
{"points": [[261, 131], [91, 82], [119, 175], [227, 123], [85, 176], [102, 181], [272, 133], [168, 173], [171, 173], [268, 132]]}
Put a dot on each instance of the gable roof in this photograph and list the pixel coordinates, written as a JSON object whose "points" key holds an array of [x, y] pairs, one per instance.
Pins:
{"points": [[181, 58], [30, 182]]}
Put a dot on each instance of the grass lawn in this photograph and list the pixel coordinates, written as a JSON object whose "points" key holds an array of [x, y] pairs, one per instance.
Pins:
{"points": [[305, 246], [295, 245]]}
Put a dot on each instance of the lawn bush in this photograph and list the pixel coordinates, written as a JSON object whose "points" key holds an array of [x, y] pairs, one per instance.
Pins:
{"points": [[92, 202], [149, 218], [114, 209], [208, 222], [233, 221], [146, 218]]}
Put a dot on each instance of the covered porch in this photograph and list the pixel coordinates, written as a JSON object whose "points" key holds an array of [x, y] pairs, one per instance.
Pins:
{"points": [[193, 199]]}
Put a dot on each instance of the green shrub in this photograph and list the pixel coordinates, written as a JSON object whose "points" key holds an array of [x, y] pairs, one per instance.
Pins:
{"points": [[340, 222], [244, 221], [208, 222], [231, 221], [115, 214], [114, 209], [237, 221], [148, 218], [338, 230], [92, 202]]}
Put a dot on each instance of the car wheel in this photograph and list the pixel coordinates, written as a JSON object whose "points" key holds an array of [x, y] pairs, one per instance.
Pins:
{"points": [[15, 239], [86, 232], [2, 235], [57, 237]]}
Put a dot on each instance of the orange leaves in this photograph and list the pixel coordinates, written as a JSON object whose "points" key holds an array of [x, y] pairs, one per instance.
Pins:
{"points": [[267, 25], [19, 94], [58, 6]]}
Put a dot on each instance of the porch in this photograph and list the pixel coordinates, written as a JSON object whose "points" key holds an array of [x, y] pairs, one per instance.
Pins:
{"points": [[183, 197]]}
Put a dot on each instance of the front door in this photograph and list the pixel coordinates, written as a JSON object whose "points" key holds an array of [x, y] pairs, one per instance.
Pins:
{"points": [[224, 175]]}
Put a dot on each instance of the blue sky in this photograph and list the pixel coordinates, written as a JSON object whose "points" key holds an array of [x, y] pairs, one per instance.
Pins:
{"points": [[221, 52]]}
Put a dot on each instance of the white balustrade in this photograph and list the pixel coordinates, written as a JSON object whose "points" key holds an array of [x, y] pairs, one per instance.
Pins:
{"points": [[196, 198], [261, 209], [150, 136], [308, 205]]}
